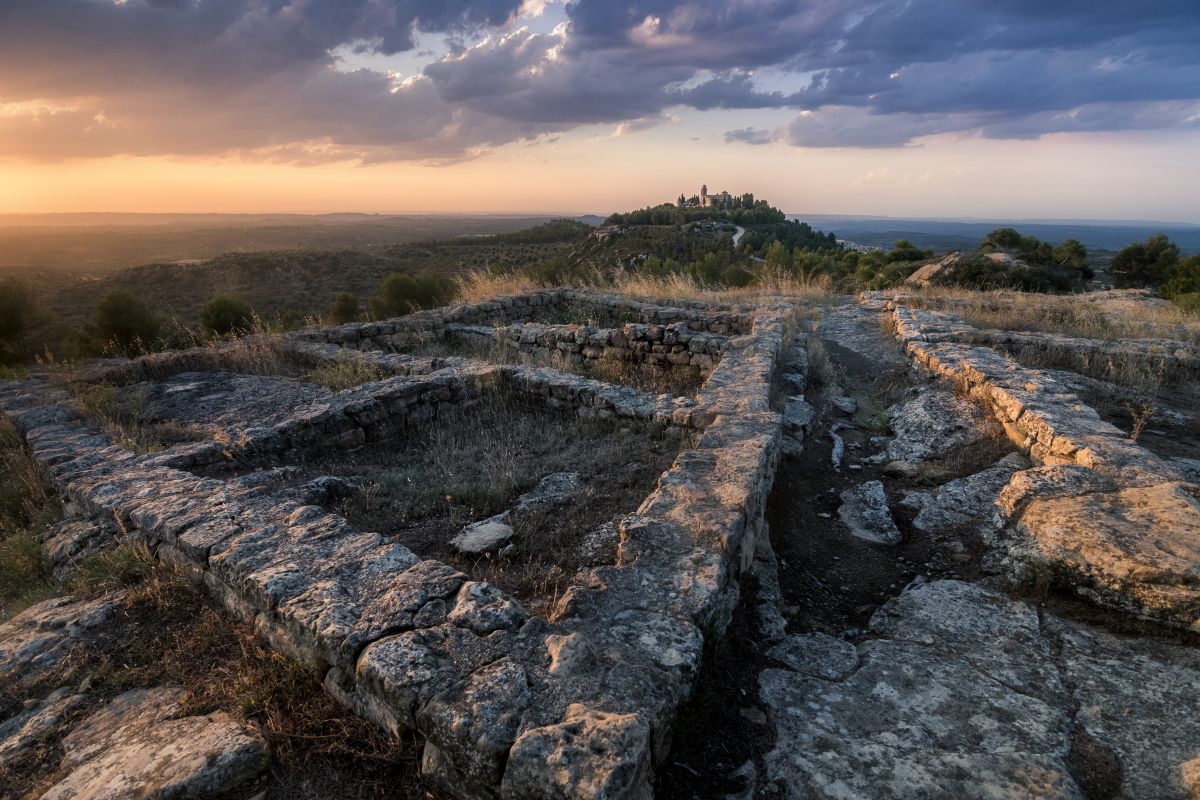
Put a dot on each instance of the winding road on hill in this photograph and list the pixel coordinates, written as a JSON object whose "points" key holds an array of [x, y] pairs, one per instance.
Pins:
{"points": [[738, 234]]}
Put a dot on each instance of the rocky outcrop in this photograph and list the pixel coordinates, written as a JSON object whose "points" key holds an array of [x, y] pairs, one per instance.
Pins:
{"points": [[140, 745], [962, 692], [940, 271], [933, 424], [38, 639], [1100, 514]]}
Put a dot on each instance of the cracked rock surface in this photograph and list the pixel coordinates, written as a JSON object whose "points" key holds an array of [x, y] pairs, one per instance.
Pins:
{"points": [[960, 691]]}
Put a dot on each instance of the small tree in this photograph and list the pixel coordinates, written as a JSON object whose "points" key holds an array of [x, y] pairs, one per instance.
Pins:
{"points": [[1071, 253], [1151, 261], [344, 309], [1185, 279], [1002, 239], [123, 323], [403, 294], [16, 315], [223, 314]]}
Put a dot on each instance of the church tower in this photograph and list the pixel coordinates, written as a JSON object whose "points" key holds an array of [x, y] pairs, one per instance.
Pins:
{"points": [[704, 195]]}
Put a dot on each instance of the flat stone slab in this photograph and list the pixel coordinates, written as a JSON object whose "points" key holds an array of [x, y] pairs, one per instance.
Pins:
{"points": [[968, 501], [39, 638], [963, 692], [1136, 550], [865, 512], [225, 400], [140, 746], [958, 698], [487, 536]]}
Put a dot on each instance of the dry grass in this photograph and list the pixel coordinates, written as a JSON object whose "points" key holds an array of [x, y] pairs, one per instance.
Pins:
{"points": [[424, 489], [346, 372], [118, 414], [1113, 318], [170, 633], [27, 509], [483, 285]]}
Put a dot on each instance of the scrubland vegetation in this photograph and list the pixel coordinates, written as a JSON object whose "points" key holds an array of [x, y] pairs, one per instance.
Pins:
{"points": [[679, 250]]}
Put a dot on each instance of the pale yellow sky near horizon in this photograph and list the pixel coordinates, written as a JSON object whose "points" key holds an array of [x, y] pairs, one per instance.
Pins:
{"points": [[1102, 176]]}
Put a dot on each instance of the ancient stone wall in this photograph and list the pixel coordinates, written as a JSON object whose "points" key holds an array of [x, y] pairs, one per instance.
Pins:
{"points": [[672, 347], [427, 326], [1099, 514], [576, 705]]}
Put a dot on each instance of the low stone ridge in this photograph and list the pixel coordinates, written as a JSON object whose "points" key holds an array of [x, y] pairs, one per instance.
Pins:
{"points": [[961, 692], [501, 698], [140, 745], [1099, 513]]}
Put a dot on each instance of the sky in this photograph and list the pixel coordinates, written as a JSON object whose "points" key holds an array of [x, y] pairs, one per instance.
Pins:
{"points": [[1010, 109]]}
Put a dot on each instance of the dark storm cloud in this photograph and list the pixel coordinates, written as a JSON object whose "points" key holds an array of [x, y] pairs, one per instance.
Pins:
{"points": [[95, 77]]}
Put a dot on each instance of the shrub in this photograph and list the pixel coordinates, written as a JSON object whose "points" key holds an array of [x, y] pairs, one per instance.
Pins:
{"points": [[345, 308], [1150, 261], [403, 294], [16, 311], [122, 323], [1185, 279], [223, 315]]}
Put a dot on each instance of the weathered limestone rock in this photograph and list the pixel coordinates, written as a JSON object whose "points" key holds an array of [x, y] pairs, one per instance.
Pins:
{"points": [[1138, 696], [933, 424], [798, 416], [958, 698], [935, 272], [965, 501], [590, 754], [486, 536], [27, 727], [1061, 480], [847, 405], [817, 654], [42, 635], [552, 493], [73, 539], [1137, 550], [490, 535], [865, 512], [138, 747]]}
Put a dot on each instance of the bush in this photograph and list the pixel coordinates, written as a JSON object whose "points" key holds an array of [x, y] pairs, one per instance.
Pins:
{"points": [[223, 315], [1185, 279], [16, 312], [1151, 261], [344, 309], [122, 323], [1189, 302], [403, 294]]}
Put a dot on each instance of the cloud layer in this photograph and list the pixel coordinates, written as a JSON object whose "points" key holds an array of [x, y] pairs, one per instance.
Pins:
{"points": [[89, 78]]}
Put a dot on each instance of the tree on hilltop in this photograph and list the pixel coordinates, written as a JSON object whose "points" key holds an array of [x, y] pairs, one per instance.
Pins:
{"points": [[223, 315], [1151, 261], [122, 323]]}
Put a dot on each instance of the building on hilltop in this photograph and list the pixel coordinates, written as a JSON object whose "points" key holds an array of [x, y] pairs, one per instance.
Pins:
{"points": [[706, 200]]}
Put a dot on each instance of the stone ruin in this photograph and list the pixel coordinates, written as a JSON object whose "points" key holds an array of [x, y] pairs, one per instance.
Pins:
{"points": [[578, 703], [581, 701]]}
